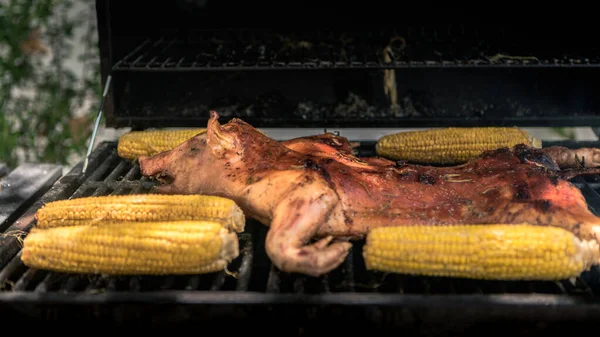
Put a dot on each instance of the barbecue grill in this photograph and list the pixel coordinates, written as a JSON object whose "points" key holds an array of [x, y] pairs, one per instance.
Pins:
{"points": [[177, 62]]}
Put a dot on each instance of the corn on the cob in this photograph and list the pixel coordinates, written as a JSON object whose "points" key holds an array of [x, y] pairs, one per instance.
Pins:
{"points": [[498, 252], [450, 145], [141, 207], [152, 248], [147, 143]]}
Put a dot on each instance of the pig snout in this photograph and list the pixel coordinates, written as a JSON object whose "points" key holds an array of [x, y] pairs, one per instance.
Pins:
{"points": [[155, 165]]}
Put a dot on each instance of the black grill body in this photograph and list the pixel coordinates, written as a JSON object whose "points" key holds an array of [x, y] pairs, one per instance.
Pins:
{"points": [[181, 59], [177, 62]]}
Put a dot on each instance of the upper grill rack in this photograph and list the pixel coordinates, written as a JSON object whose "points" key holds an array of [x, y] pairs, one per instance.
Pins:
{"points": [[413, 47]]}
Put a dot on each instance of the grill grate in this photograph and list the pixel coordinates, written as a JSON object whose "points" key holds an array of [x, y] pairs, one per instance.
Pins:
{"points": [[539, 90], [447, 47], [253, 272]]}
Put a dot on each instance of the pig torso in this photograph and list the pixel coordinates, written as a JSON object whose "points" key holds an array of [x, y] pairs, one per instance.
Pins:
{"points": [[497, 189]]}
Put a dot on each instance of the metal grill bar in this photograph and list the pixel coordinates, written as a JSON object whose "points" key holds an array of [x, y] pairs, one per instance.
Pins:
{"points": [[590, 193], [269, 51], [134, 51], [273, 282], [245, 266], [349, 122]]}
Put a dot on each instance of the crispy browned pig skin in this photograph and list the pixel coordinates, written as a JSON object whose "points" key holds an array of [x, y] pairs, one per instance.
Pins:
{"points": [[302, 197], [329, 145], [324, 144], [558, 157]]}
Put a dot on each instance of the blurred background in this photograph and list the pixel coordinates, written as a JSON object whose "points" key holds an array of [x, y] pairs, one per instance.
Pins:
{"points": [[50, 84], [49, 81]]}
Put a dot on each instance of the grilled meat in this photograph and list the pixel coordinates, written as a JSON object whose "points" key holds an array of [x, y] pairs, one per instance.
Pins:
{"points": [[333, 196], [323, 145], [556, 157]]}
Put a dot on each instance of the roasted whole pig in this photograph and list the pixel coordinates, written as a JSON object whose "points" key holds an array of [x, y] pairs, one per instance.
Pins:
{"points": [[314, 188]]}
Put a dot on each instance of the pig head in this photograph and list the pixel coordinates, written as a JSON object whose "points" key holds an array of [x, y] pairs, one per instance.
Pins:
{"points": [[270, 182]]}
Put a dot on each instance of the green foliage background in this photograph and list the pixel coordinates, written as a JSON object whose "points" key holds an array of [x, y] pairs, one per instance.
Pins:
{"points": [[38, 93]]}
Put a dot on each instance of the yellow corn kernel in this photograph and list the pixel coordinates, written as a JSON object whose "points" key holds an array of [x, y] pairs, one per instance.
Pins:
{"points": [[495, 252], [141, 207], [147, 143], [134, 248], [450, 145]]}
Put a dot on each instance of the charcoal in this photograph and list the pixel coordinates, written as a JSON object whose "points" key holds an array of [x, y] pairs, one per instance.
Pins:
{"points": [[311, 110]]}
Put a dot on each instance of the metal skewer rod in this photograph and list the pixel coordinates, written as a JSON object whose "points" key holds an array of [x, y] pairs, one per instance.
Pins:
{"points": [[97, 124]]}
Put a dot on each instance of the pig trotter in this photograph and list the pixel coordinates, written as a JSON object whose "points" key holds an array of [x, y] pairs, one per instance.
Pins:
{"points": [[574, 158], [295, 221], [314, 260]]}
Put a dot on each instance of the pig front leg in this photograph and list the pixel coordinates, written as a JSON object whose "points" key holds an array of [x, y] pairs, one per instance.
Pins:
{"points": [[295, 220]]}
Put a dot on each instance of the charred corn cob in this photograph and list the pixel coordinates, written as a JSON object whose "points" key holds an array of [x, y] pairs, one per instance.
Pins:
{"points": [[499, 252], [152, 248], [450, 145], [141, 207], [147, 143]]}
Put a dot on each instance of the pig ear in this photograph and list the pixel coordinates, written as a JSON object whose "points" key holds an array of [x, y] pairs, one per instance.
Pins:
{"points": [[217, 139]]}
